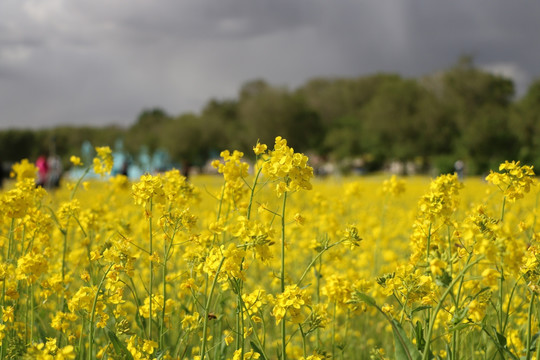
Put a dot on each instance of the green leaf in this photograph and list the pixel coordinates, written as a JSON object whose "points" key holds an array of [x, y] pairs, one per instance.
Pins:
{"points": [[419, 333], [444, 279], [459, 315], [257, 350], [365, 298], [404, 348], [501, 339], [119, 346], [420, 308], [459, 327]]}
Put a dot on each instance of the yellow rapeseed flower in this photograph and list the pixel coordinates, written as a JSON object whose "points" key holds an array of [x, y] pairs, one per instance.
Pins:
{"points": [[103, 162], [512, 179], [75, 160]]}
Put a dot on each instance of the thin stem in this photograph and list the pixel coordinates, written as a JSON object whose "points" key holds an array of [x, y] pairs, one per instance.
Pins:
{"points": [[207, 307], [334, 332], [31, 313], [327, 247], [64, 252], [164, 277], [93, 314], [501, 300], [220, 202], [151, 274], [304, 347], [529, 326], [282, 275], [253, 192], [440, 304], [79, 182], [81, 351], [502, 209], [428, 244]]}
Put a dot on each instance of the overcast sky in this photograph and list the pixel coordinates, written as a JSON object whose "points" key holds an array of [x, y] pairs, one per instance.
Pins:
{"points": [[98, 62]]}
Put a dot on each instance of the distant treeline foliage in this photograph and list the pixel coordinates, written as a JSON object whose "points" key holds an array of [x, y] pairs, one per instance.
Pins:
{"points": [[461, 113]]}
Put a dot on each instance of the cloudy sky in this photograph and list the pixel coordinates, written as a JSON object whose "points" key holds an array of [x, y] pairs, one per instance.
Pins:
{"points": [[100, 62]]}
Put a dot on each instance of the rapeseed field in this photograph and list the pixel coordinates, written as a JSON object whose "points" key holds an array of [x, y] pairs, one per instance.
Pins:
{"points": [[266, 261]]}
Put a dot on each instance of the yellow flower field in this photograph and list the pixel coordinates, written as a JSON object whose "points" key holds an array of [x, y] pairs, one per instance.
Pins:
{"points": [[268, 262]]}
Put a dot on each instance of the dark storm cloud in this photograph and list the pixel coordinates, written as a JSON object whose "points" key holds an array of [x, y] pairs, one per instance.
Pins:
{"points": [[103, 61]]}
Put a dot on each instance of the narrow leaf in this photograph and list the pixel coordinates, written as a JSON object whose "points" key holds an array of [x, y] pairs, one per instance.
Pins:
{"points": [[365, 298], [257, 350], [405, 349], [119, 346], [420, 308]]}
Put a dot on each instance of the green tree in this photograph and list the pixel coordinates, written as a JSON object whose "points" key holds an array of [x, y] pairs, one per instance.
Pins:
{"points": [[525, 125]]}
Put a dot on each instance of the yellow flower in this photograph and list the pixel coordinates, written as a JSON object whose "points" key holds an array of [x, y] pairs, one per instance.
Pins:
{"points": [[292, 300], [387, 309], [75, 160], [8, 314], [228, 337], [299, 219], [393, 186], [249, 355], [103, 162], [24, 170], [512, 179], [437, 266], [289, 168], [149, 188], [149, 346], [259, 148], [254, 303]]}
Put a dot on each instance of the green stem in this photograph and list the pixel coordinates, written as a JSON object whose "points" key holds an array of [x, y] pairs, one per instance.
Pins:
{"points": [[31, 313], [327, 247], [81, 351], [334, 332], [93, 314], [428, 244], [501, 301], [440, 304], [282, 276], [529, 326], [507, 317], [10, 243], [151, 274], [79, 182], [253, 192], [304, 347], [502, 209], [220, 202], [240, 315], [162, 324], [207, 308], [64, 252]]}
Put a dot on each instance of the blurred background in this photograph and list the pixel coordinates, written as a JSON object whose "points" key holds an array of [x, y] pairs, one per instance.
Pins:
{"points": [[409, 86]]}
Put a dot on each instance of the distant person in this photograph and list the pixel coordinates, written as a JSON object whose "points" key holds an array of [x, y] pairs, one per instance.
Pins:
{"points": [[459, 167], [54, 165], [43, 170], [186, 169]]}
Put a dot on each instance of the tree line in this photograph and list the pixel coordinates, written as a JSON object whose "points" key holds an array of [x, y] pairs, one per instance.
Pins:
{"points": [[462, 113]]}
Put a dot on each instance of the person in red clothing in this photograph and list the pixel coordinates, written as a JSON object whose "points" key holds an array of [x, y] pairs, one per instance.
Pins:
{"points": [[43, 170]]}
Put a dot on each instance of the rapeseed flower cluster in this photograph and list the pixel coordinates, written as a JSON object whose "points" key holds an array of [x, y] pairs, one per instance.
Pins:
{"points": [[292, 300], [103, 162], [512, 179], [234, 171], [290, 169]]}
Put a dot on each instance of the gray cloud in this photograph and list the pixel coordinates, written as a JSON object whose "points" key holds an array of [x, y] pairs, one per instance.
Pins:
{"points": [[103, 61]]}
